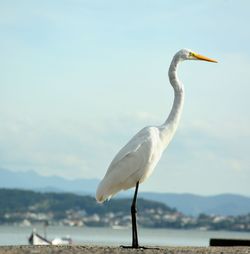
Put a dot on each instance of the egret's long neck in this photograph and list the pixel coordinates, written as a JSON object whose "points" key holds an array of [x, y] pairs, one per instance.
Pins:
{"points": [[170, 125]]}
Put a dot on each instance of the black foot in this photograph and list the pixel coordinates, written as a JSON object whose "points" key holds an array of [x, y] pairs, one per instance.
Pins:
{"points": [[130, 247], [139, 247]]}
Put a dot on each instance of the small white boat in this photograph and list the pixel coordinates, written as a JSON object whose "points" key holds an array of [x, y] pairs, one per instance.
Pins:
{"points": [[62, 241], [36, 239]]}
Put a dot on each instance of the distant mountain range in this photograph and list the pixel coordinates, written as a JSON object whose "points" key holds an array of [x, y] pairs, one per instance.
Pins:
{"points": [[189, 204], [30, 180]]}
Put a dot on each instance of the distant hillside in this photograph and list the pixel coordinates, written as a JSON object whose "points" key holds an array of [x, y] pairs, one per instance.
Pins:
{"points": [[22, 207], [17, 205], [21, 200], [224, 204]]}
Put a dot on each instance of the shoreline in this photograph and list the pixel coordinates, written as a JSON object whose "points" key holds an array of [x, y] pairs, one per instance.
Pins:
{"points": [[92, 249]]}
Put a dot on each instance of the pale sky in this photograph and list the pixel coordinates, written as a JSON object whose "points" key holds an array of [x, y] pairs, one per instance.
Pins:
{"points": [[80, 78]]}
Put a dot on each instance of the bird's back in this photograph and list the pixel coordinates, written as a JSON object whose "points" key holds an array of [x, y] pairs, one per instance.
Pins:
{"points": [[133, 163]]}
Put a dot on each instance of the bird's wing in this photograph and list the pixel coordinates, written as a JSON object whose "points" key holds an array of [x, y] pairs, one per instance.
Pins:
{"points": [[131, 162], [138, 150]]}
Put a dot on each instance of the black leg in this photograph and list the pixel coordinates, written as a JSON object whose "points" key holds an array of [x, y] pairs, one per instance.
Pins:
{"points": [[134, 224], [133, 216]]}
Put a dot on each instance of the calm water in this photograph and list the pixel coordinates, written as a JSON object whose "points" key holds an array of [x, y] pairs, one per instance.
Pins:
{"points": [[14, 235]]}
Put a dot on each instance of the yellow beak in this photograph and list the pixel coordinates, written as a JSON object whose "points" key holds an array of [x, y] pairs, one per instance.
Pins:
{"points": [[204, 58]]}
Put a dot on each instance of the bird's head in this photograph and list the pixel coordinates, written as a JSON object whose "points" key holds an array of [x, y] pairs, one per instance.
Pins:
{"points": [[186, 54]]}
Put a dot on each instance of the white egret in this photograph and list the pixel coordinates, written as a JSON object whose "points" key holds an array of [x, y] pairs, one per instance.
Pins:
{"points": [[136, 161]]}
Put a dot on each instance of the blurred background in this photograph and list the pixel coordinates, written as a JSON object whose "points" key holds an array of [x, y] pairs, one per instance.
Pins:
{"points": [[80, 78]]}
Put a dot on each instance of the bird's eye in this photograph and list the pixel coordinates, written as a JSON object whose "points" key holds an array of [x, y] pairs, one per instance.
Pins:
{"points": [[191, 54]]}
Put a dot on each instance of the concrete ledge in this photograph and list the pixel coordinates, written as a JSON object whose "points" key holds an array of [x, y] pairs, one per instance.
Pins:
{"points": [[228, 242], [75, 249]]}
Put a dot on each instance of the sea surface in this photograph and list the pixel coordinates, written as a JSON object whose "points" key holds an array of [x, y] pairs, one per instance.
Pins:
{"points": [[17, 235]]}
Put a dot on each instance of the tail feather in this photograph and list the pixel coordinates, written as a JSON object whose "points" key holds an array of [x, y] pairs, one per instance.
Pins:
{"points": [[102, 193]]}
